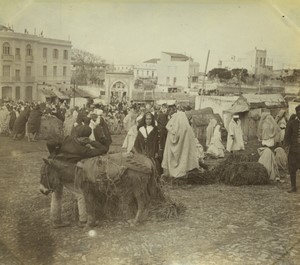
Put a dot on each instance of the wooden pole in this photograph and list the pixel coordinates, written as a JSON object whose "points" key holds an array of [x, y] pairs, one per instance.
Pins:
{"points": [[240, 82], [74, 94], [203, 81]]}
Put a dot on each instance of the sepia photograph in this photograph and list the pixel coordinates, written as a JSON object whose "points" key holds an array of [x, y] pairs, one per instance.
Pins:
{"points": [[149, 132]]}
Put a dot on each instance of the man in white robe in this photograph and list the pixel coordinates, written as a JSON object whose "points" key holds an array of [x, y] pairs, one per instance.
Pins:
{"points": [[180, 154], [235, 140]]}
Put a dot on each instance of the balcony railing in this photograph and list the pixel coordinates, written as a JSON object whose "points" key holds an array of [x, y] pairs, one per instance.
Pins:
{"points": [[5, 79], [7, 57], [29, 58], [16, 78], [29, 79]]}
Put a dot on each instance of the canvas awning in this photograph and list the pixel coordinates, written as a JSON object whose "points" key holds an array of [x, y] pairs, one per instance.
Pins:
{"points": [[61, 95], [238, 108], [169, 102], [99, 101], [48, 93]]}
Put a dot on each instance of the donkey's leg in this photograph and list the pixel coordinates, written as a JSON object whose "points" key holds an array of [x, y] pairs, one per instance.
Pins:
{"points": [[89, 197], [82, 208], [140, 198], [55, 208]]}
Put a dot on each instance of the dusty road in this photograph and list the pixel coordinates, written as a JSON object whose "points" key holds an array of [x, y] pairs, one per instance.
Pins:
{"points": [[222, 224]]}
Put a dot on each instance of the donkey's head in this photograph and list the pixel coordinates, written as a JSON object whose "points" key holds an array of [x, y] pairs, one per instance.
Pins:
{"points": [[50, 177]]}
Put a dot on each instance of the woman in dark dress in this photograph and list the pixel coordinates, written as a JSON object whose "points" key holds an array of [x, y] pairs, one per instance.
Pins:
{"points": [[147, 140], [12, 119]]}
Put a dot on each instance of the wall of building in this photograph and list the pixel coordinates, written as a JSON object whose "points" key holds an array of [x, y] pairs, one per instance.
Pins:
{"points": [[176, 73], [26, 83], [217, 103], [124, 82], [172, 73], [260, 62], [123, 68], [294, 90], [145, 70]]}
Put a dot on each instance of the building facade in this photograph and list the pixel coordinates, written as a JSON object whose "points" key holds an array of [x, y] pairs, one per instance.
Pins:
{"points": [[174, 70], [147, 69], [123, 68], [255, 61], [118, 87], [30, 64]]}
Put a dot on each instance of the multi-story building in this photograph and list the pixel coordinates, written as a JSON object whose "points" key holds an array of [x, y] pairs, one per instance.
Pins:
{"points": [[147, 69], [176, 70], [30, 64]]}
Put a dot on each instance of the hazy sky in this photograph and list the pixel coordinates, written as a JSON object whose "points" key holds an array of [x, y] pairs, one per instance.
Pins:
{"points": [[131, 32]]}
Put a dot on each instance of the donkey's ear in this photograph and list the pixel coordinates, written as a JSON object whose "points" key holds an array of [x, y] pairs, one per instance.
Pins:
{"points": [[47, 162]]}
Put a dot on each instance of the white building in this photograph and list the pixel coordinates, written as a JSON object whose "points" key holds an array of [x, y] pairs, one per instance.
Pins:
{"points": [[123, 68], [175, 69], [30, 64], [147, 69], [255, 61]]}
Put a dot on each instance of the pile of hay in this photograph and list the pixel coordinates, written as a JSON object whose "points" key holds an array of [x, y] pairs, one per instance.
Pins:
{"points": [[193, 177], [241, 168], [51, 127]]}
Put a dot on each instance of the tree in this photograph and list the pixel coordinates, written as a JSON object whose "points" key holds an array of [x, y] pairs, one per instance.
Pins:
{"points": [[221, 73], [294, 77], [89, 68], [241, 74], [224, 74]]}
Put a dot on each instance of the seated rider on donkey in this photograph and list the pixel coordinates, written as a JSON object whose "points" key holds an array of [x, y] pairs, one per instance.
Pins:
{"points": [[73, 149]]}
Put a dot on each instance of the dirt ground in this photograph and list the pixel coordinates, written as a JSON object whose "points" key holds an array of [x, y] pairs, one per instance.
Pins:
{"points": [[222, 224]]}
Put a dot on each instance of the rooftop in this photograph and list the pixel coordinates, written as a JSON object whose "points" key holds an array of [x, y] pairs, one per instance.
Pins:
{"points": [[154, 60], [268, 99], [8, 33], [177, 56], [4, 28]]}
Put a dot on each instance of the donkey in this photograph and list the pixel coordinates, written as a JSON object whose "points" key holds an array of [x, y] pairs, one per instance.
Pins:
{"points": [[134, 180]]}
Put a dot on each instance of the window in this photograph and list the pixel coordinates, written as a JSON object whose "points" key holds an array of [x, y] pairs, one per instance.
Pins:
{"points": [[17, 74], [6, 70], [18, 52], [147, 73], [6, 48], [45, 50], [174, 81], [54, 70], [152, 73], [28, 50], [44, 70], [260, 61], [28, 70], [65, 55], [264, 62], [64, 71], [168, 80], [55, 53]]}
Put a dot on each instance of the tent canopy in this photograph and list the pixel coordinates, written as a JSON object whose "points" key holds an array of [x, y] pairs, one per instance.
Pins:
{"points": [[48, 93], [240, 107]]}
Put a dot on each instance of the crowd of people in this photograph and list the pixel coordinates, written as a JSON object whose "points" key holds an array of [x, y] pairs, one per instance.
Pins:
{"points": [[162, 133]]}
